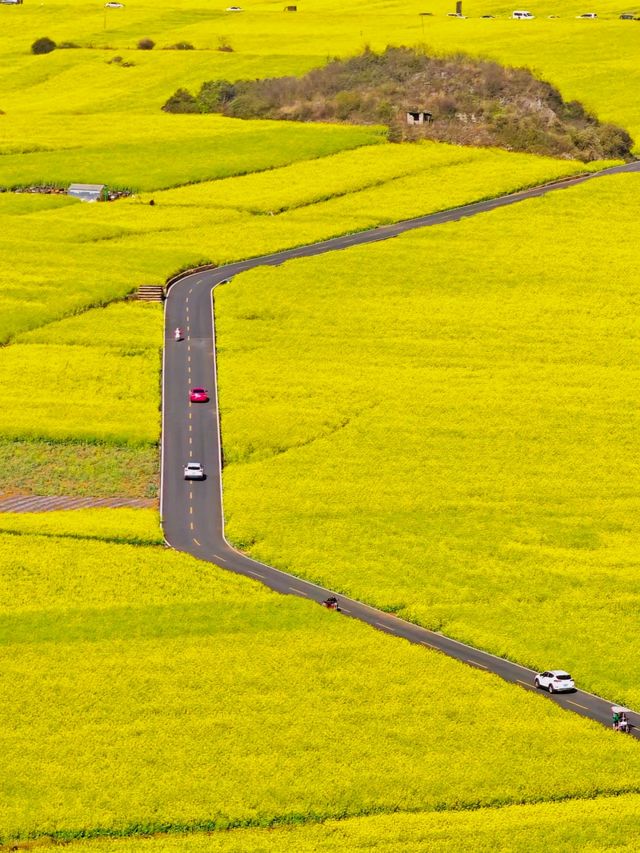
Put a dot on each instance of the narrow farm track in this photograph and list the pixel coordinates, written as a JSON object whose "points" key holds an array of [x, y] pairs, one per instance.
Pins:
{"points": [[192, 512], [42, 503]]}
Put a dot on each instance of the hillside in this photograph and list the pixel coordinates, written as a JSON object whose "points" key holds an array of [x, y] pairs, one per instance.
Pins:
{"points": [[468, 102]]}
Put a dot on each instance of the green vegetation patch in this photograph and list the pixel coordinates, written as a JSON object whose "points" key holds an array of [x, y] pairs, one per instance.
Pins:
{"points": [[455, 99], [153, 692], [78, 469], [446, 425]]}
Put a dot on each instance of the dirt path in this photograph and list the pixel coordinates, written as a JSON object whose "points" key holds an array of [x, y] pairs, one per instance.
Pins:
{"points": [[39, 503]]}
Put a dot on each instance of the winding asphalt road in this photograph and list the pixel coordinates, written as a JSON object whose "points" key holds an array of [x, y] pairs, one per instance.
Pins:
{"points": [[192, 512]]}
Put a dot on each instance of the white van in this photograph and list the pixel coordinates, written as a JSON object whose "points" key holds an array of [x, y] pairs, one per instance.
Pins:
{"points": [[522, 16]]}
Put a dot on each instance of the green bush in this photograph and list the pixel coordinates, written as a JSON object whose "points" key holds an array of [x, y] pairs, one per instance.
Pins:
{"points": [[181, 101], [146, 44], [215, 94], [615, 141]]}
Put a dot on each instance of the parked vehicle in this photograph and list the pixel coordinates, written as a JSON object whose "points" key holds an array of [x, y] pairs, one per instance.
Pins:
{"points": [[555, 681], [522, 16], [193, 471]]}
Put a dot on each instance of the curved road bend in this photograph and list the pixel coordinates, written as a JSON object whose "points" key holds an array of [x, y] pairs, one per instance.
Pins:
{"points": [[192, 512]]}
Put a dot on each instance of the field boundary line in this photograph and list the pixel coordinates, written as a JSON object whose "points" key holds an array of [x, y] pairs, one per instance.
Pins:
{"points": [[62, 837]]}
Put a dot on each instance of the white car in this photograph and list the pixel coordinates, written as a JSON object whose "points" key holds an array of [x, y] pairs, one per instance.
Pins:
{"points": [[522, 16], [113, 5], [591, 15], [555, 681], [193, 471]]}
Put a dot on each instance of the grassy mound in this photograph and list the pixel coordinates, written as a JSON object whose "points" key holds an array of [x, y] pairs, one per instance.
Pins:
{"points": [[469, 102]]}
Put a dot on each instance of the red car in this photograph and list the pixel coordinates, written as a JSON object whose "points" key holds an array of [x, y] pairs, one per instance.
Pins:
{"points": [[198, 395]]}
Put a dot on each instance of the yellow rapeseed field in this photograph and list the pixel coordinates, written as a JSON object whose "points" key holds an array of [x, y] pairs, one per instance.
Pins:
{"points": [[134, 526], [451, 437], [80, 404], [66, 386], [605, 825], [422, 166], [151, 691], [595, 61], [151, 152], [91, 254], [60, 392], [131, 327]]}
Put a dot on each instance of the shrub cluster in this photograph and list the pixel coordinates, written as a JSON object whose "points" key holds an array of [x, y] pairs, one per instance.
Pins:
{"points": [[43, 45], [118, 60], [471, 102]]}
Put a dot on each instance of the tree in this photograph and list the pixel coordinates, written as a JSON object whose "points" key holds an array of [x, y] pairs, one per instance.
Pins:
{"points": [[146, 44]]}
